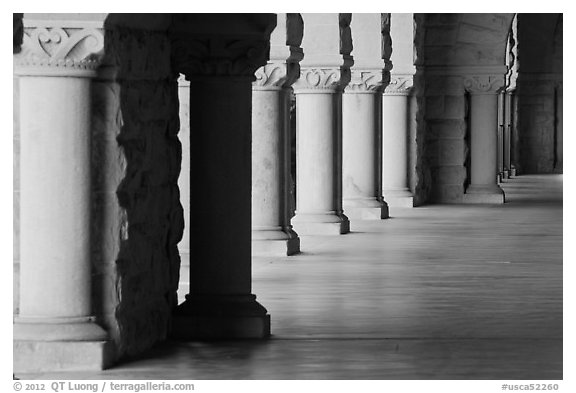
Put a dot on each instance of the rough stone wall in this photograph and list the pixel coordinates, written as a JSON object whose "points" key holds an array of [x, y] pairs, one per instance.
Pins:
{"points": [[539, 81], [422, 182], [137, 215], [445, 45], [446, 128]]}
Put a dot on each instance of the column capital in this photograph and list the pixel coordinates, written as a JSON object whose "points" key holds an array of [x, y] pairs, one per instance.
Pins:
{"points": [[322, 80], [399, 84], [275, 76], [484, 84], [219, 56], [366, 81], [60, 51], [221, 45]]}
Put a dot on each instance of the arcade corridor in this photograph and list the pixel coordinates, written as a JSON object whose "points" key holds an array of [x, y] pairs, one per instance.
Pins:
{"points": [[436, 292]]}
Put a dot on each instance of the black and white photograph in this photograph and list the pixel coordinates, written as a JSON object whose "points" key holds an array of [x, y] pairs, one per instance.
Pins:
{"points": [[201, 197]]}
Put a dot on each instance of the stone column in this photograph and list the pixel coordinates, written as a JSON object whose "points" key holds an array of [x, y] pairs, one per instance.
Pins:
{"points": [[500, 136], [184, 186], [272, 232], [361, 121], [507, 132], [325, 72], [55, 329], [219, 54], [484, 139], [395, 142], [396, 113], [559, 167]]}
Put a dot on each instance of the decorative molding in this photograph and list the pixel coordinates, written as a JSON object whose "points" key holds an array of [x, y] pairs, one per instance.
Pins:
{"points": [[399, 85], [60, 50], [484, 84], [366, 81], [219, 56], [275, 76], [321, 79]]}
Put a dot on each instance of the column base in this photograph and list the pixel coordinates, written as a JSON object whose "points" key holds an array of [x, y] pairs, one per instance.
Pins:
{"points": [[512, 172], [275, 242], [220, 317], [365, 209], [506, 174], [184, 282], [331, 224], [484, 194], [399, 198], [276, 248], [42, 345]]}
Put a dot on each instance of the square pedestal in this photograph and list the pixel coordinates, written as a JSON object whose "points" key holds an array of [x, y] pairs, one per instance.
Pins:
{"points": [[276, 248], [367, 213], [190, 327], [321, 228], [487, 198], [407, 201], [47, 356]]}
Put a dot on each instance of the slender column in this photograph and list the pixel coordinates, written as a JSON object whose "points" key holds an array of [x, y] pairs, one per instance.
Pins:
{"points": [[219, 54], [507, 132], [272, 233], [484, 139], [361, 121], [396, 113], [559, 167], [184, 186], [55, 329], [501, 125], [395, 142], [325, 72]]}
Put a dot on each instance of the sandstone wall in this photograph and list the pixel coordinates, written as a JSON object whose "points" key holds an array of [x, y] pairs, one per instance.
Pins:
{"points": [[137, 215], [539, 93]]}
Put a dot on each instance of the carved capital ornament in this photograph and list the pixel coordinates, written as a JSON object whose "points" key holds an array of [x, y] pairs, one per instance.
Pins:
{"points": [[220, 56], [60, 51], [484, 84], [366, 81], [399, 85], [319, 80]]}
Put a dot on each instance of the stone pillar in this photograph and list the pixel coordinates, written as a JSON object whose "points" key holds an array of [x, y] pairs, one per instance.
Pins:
{"points": [[396, 113], [219, 54], [559, 167], [395, 142], [184, 186], [507, 133], [484, 139], [55, 329], [500, 143], [325, 72], [361, 121], [272, 232]]}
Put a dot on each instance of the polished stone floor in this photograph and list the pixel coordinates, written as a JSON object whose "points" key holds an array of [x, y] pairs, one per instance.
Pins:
{"points": [[435, 292]]}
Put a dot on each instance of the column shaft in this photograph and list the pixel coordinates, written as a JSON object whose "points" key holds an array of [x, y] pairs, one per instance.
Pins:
{"points": [[395, 150], [272, 233], [360, 140], [484, 145], [184, 186], [507, 133], [220, 303], [55, 329], [318, 164]]}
